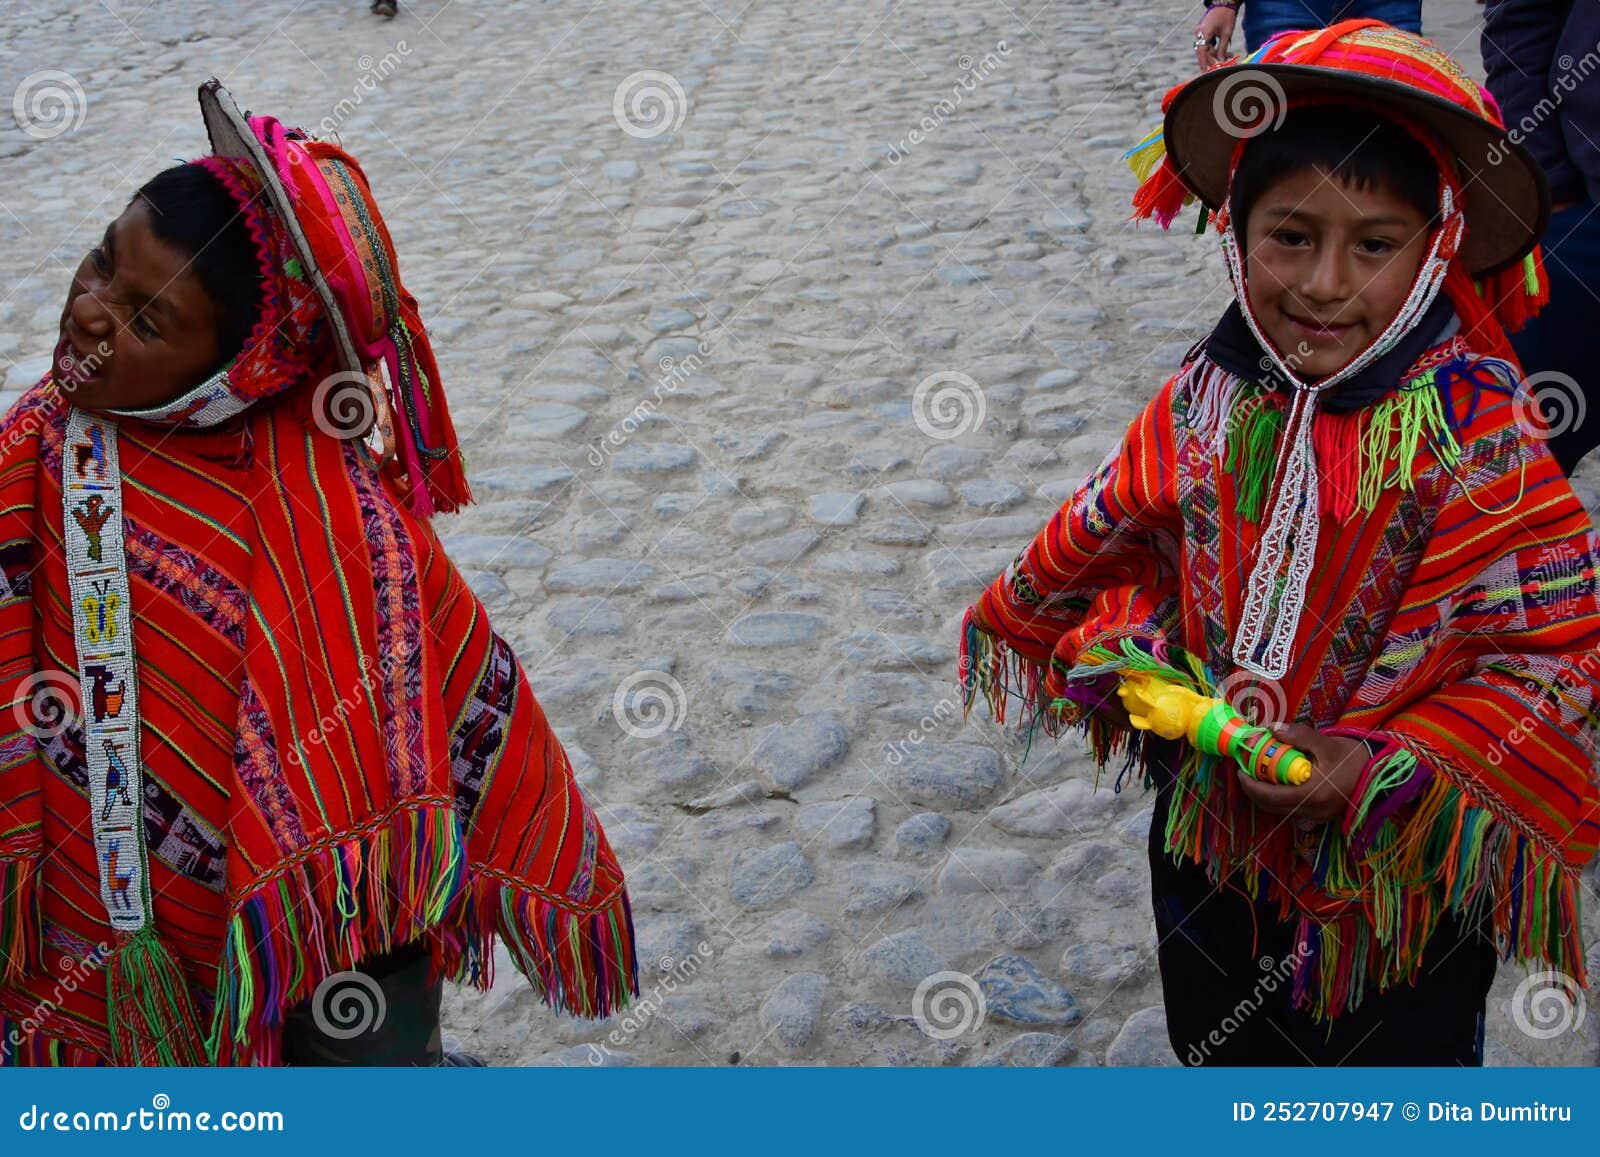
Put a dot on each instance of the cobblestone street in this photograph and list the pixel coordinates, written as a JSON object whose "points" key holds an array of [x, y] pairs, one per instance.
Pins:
{"points": [[772, 333]]}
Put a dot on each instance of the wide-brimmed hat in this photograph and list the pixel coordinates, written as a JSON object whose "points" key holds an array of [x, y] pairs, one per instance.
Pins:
{"points": [[1367, 63], [322, 200]]}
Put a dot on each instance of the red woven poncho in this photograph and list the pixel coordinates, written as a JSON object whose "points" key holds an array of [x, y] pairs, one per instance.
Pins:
{"points": [[1451, 609], [339, 753]]}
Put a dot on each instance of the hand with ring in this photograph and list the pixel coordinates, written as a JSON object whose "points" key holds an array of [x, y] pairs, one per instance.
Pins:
{"points": [[1213, 35]]}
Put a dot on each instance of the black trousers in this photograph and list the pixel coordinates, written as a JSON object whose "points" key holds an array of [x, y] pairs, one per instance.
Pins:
{"points": [[1228, 1001], [407, 1034]]}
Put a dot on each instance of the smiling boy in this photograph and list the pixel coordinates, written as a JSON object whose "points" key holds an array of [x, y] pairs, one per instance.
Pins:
{"points": [[1335, 517]]}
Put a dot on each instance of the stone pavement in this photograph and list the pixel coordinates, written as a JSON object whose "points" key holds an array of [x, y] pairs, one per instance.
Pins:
{"points": [[773, 332]]}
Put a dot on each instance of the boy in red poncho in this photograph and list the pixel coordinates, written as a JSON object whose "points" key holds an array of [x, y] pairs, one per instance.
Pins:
{"points": [[259, 738], [1341, 507]]}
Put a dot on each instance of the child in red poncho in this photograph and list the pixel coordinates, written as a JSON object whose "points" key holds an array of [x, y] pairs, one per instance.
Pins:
{"points": [[1341, 508], [268, 774]]}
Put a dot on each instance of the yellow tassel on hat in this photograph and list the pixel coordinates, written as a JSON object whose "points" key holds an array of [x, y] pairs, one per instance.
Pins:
{"points": [[1146, 155]]}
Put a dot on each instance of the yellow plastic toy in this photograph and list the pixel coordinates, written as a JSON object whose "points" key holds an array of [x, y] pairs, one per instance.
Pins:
{"points": [[1175, 712]]}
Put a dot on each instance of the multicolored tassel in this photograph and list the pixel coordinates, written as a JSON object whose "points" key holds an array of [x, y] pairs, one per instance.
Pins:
{"points": [[1253, 433], [1161, 194], [1360, 453], [19, 918], [22, 1045], [578, 962], [360, 894], [987, 666], [1515, 294], [429, 448], [150, 1013]]}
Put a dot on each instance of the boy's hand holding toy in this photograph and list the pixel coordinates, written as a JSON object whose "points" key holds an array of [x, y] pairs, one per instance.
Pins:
{"points": [[1288, 768], [1336, 763]]}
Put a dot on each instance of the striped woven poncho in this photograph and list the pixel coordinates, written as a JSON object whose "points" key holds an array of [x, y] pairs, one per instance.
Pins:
{"points": [[254, 727], [340, 755], [1452, 618]]}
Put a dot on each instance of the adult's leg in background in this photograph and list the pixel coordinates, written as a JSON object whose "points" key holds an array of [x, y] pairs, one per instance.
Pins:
{"points": [[395, 1005]]}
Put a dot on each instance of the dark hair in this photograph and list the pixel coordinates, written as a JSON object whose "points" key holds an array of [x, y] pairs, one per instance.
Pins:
{"points": [[191, 210], [1357, 147]]}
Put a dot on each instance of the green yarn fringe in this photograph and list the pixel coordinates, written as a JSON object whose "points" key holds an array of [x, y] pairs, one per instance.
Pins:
{"points": [[1394, 431], [1397, 428], [1253, 431], [150, 1014]]}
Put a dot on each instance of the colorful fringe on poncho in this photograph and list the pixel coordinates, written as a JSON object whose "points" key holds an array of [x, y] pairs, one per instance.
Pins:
{"points": [[1453, 619]]}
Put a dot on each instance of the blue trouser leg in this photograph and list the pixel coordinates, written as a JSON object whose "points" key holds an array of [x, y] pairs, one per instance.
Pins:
{"points": [[1406, 14]]}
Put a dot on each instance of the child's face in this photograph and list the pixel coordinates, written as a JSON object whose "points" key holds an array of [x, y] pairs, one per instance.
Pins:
{"points": [[1328, 266], [138, 328]]}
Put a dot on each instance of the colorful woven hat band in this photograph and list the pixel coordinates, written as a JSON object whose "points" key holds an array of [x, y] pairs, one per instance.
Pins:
{"points": [[356, 255], [1375, 49]]}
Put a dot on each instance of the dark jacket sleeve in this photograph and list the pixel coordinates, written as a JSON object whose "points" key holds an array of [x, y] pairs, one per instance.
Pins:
{"points": [[1540, 57]]}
